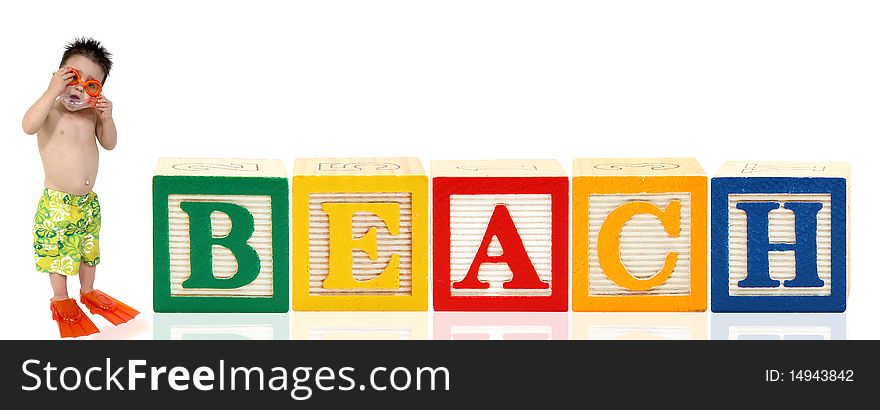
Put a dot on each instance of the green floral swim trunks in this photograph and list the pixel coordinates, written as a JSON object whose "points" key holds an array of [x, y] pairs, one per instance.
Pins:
{"points": [[66, 230]]}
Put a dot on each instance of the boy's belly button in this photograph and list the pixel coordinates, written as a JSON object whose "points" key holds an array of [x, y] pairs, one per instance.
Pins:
{"points": [[87, 181]]}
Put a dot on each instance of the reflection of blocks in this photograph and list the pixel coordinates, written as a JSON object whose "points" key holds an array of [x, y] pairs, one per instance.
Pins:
{"points": [[360, 234], [500, 326], [639, 235], [206, 326], [639, 326], [779, 233], [779, 326], [360, 326], [220, 236], [500, 235]]}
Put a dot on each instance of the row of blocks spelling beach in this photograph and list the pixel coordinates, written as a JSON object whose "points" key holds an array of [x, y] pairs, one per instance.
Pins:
{"points": [[359, 232]]}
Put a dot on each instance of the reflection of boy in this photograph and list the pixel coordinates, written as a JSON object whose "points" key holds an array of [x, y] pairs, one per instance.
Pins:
{"points": [[68, 218]]}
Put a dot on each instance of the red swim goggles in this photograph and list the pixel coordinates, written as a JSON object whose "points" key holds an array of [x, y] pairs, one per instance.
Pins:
{"points": [[92, 87]]}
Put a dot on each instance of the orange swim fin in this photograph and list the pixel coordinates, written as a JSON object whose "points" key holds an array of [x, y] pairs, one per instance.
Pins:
{"points": [[72, 322], [111, 309]]}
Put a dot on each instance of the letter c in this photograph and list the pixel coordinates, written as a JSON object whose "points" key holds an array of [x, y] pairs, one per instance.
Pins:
{"points": [[609, 243]]}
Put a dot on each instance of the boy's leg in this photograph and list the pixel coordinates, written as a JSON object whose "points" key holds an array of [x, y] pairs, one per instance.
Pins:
{"points": [[70, 318], [59, 286], [91, 248], [99, 302], [86, 277]]}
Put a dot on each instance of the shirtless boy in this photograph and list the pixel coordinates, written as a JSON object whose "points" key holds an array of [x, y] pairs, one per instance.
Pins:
{"points": [[70, 119]]}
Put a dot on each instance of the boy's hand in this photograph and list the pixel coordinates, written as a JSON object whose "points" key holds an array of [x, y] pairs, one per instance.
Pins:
{"points": [[104, 108], [60, 79]]}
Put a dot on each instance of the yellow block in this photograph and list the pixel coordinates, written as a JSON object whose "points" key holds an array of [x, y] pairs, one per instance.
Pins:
{"points": [[639, 234], [360, 234]]}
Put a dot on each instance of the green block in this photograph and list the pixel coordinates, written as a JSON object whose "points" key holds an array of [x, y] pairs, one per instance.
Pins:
{"points": [[221, 236]]}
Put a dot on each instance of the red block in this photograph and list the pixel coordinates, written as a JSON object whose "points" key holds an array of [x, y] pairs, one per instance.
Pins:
{"points": [[500, 235]]}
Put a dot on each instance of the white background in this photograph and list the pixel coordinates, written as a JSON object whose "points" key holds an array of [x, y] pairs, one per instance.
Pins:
{"points": [[717, 80]]}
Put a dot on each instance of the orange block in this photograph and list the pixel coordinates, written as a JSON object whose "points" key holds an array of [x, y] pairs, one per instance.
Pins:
{"points": [[639, 235]]}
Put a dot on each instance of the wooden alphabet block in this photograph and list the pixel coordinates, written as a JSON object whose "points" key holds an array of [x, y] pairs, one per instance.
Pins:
{"points": [[639, 235], [220, 236], [360, 233], [500, 235], [779, 237]]}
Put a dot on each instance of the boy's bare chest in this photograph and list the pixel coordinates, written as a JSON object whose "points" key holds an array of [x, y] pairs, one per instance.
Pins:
{"points": [[71, 126]]}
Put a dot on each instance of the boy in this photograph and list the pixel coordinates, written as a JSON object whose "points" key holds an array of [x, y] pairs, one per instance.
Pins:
{"points": [[68, 118]]}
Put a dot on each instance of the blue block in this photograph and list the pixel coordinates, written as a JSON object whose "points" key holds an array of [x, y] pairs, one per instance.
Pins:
{"points": [[743, 242]]}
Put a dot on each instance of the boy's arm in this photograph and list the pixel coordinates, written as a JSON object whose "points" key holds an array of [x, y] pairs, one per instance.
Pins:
{"points": [[105, 128], [36, 115]]}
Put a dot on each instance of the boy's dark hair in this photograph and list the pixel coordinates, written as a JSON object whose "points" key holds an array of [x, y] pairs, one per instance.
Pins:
{"points": [[91, 49]]}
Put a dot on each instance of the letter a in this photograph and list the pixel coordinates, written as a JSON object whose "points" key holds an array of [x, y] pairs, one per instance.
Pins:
{"points": [[514, 255]]}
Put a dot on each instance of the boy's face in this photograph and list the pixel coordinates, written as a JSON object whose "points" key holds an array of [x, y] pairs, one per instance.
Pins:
{"points": [[88, 70]]}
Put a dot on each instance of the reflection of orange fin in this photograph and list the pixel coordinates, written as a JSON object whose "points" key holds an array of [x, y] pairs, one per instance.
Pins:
{"points": [[111, 309], [72, 322]]}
